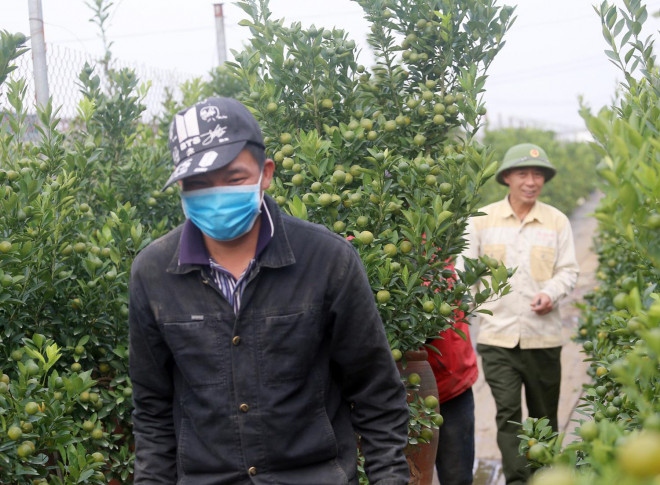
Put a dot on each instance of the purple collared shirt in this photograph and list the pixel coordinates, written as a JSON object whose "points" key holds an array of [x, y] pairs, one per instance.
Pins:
{"points": [[193, 251]]}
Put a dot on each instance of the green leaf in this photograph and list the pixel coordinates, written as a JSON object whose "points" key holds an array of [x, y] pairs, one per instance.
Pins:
{"points": [[38, 340], [443, 216], [612, 55], [35, 354], [53, 354], [297, 208], [618, 27], [628, 200], [610, 17]]}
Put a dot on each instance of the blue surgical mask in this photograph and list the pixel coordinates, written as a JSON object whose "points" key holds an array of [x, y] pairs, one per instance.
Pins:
{"points": [[223, 213]]}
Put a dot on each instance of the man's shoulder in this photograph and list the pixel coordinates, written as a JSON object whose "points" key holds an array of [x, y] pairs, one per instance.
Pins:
{"points": [[493, 211], [493, 207], [551, 209], [551, 215]]}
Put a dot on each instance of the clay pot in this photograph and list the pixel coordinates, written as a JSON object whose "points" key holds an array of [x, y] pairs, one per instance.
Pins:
{"points": [[421, 456]]}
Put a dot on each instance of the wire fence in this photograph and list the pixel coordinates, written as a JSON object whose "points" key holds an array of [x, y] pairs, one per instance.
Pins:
{"points": [[64, 67]]}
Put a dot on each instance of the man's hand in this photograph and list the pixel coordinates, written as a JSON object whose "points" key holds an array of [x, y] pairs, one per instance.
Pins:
{"points": [[541, 304]]}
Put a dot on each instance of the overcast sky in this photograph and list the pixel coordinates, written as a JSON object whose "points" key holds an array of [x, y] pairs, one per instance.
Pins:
{"points": [[553, 52]]}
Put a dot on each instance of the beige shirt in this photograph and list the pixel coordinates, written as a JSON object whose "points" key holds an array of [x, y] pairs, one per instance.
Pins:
{"points": [[541, 249]]}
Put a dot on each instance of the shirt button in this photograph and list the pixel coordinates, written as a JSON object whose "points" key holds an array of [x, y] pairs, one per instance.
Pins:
{"points": [[244, 408], [252, 471], [236, 340]]}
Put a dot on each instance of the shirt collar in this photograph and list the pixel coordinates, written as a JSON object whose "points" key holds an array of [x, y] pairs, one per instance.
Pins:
{"points": [[535, 213], [507, 210], [192, 249]]}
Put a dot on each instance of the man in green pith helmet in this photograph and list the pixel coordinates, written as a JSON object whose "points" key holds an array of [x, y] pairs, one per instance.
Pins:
{"points": [[520, 343]]}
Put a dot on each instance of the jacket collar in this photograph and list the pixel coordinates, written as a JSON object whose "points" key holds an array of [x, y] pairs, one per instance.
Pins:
{"points": [[273, 248], [278, 253]]}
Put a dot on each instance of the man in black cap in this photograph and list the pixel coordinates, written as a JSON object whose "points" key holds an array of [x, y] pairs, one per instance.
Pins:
{"points": [[257, 353]]}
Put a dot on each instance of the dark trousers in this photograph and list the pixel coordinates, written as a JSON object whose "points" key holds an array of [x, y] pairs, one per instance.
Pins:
{"points": [[455, 458], [506, 371]]}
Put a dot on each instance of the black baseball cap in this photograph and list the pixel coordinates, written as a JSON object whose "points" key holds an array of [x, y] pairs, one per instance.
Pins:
{"points": [[210, 135]]}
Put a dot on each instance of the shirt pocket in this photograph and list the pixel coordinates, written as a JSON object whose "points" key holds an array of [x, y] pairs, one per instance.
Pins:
{"points": [[542, 262], [496, 251], [198, 351]]}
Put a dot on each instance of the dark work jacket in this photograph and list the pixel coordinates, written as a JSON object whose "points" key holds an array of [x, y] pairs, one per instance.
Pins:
{"points": [[275, 394]]}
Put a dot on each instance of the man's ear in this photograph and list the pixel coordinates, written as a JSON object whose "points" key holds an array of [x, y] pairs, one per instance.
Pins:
{"points": [[505, 176], [268, 171]]}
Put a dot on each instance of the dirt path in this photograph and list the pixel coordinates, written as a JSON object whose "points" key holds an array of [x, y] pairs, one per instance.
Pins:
{"points": [[487, 463]]}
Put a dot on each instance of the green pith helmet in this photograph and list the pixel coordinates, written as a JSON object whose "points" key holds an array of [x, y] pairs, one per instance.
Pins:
{"points": [[525, 155]]}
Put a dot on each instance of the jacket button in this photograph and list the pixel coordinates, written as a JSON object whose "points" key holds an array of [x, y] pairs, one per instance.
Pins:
{"points": [[236, 340], [244, 408], [252, 471]]}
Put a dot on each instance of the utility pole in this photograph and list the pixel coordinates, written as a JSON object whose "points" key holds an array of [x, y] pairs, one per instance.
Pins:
{"points": [[220, 33], [38, 42]]}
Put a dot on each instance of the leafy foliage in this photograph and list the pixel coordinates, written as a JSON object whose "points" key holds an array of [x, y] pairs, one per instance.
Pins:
{"points": [[73, 205], [12, 46], [51, 424], [620, 323], [384, 156]]}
